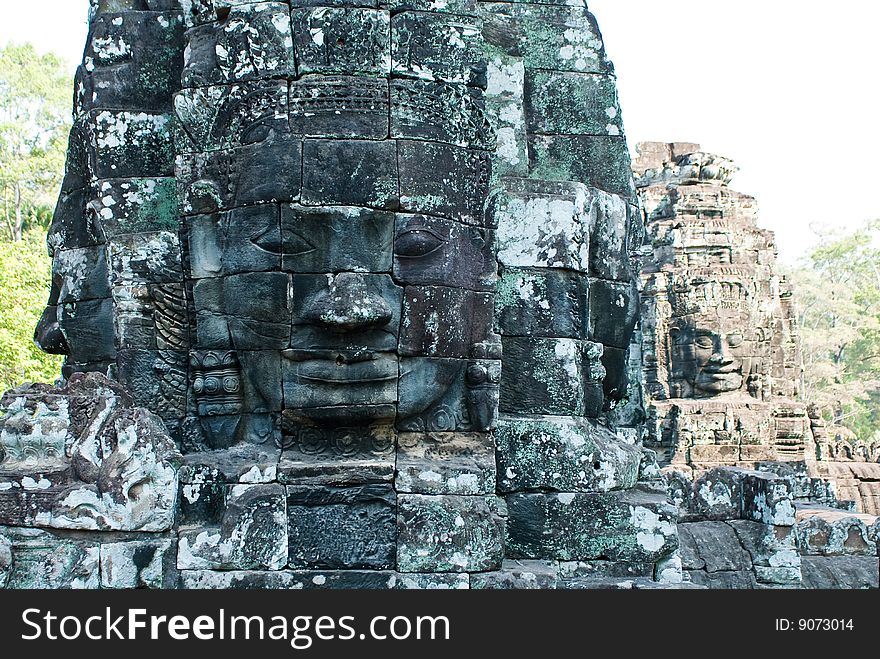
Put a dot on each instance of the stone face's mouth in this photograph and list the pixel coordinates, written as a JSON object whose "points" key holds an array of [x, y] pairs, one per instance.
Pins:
{"points": [[337, 368]]}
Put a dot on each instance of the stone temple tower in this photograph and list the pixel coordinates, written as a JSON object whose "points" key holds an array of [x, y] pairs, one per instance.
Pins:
{"points": [[364, 278]]}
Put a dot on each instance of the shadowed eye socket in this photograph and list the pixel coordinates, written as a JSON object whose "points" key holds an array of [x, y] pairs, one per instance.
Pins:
{"points": [[415, 243], [735, 340], [704, 341], [269, 241]]}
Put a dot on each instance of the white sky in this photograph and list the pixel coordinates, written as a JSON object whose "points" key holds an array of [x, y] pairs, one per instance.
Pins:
{"points": [[789, 89]]}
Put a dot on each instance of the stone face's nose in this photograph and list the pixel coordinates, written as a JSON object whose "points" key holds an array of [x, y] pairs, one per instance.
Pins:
{"points": [[348, 304]]}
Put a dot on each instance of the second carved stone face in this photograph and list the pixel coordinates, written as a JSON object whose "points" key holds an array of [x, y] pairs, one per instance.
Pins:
{"points": [[713, 351]]}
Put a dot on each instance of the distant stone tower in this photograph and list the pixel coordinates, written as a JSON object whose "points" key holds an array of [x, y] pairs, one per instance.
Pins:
{"points": [[722, 361], [722, 356]]}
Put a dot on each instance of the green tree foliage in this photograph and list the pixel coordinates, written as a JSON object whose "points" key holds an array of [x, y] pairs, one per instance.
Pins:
{"points": [[34, 122], [25, 273], [838, 291]]}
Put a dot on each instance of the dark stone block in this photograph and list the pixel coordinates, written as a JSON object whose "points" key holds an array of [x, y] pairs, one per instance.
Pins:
{"points": [[444, 322], [342, 528], [344, 107], [541, 303], [614, 310], [288, 580], [229, 116], [136, 60], [738, 580], [248, 311], [72, 227], [82, 272], [242, 240], [518, 575], [434, 251], [322, 383], [713, 547], [336, 239], [88, 328], [440, 112], [546, 376], [616, 363], [343, 40], [600, 161], [434, 46], [268, 168], [441, 179], [432, 396], [350, 173], [847, 572], [337, 456], [156, 380]]}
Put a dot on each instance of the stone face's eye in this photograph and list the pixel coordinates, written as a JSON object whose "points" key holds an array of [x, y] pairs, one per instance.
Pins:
{"points": [[416, 243], [704, 341], [735, 340]]}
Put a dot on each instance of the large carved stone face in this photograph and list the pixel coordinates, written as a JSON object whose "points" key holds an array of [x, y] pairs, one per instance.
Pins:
{"points": [[712, 352]]}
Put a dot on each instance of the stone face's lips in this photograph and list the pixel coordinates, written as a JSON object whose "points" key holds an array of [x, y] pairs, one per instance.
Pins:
{"points": [[339, 371]]}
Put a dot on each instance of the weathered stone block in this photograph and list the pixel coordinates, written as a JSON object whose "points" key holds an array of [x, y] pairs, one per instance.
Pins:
{"points": [[134, 61], [138, 564], [350, 173], [252, 533], [436, 581], [443, 322], [571, 103], [34, 559], [335, 239], [343, 40], [83, 274], [341, 528], [632, 526], [548, 36], [449, 533], [541, 302], [563, 454], [343, 107], [434, 46], [88, 328], [768, 546], [130, 144], [254, 41], [739, 580], [847, 572], [542, 225], [445, 180], [439, 112], [445, 463], [834, 534], [550, 376], [288, 580], [711, 546], [135, 205], [717, 495], [767, 499], [600, 161]]}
